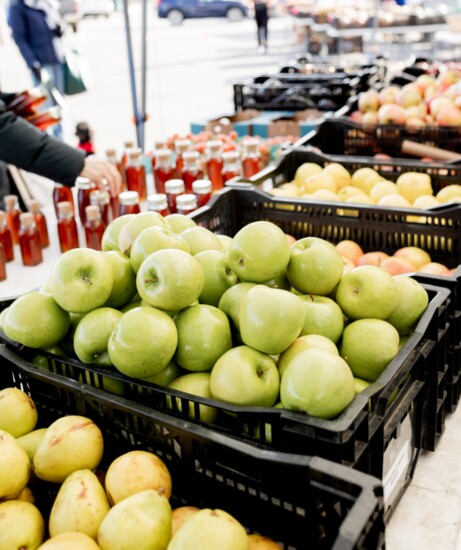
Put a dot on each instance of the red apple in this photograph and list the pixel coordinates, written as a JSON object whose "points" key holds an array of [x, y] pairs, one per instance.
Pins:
{"points": [[388, 95], [372, 258], [437, 103], [368, 101], [449, 116], [391, 114], [409, 95], [434, 268], [397, 266], [350, 250]]}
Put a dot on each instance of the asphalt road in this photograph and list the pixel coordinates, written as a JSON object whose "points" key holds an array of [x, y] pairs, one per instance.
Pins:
{"points": [[190, 69]]}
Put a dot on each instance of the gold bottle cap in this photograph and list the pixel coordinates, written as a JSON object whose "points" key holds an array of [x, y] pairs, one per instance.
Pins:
{"points": [[163, 154], [182, 145], [65, 209], [92, 213], [27, 219]]}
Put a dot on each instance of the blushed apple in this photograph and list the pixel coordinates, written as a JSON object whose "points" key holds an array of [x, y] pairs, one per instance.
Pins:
{"points": [[434, 268], [200, 239], [112, 231], [130, 231], [372, 258], [412, 302], [218, 276], [195, 383], [391, 114], [397, 266], [350, 250], [179, 223], [124, 279], [302, 343], [413, 254], [230, 301], [388, 94], [368, 101]]}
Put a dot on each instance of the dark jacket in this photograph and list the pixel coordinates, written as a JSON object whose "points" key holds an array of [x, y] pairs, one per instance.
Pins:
{"points": [[26, 147], [33, 35]]}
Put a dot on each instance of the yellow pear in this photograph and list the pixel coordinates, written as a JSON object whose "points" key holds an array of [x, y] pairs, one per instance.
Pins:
{"points": [[18, 414], [365, 178], [80, 505], [26, 495], [349, 191], [324, 195], [449, 193], [71, 443], [394, 200], [31, 441], [290, 188], [21, 526], [140, 522], [319, 181], [383, 188], [257, 542], [180, 515], [210, 530], [70, 541], [134, 472], [14, 467], [411, 185], [339, 174], [305, 170], [426, 201]]}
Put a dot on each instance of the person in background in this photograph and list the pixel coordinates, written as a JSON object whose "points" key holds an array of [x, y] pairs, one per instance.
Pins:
{"points": [[37, 28], [262, 19], [85, 136]]}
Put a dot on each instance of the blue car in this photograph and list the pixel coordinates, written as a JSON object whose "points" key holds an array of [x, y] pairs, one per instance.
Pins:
{"points": [[178, 10]]}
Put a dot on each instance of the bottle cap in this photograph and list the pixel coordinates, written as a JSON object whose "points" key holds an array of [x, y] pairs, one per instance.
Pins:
{"points": [[128, 144], [186, 202], [92, 213], [84, 183], [202, 186], [134, 154], [157, 201], [11, 201], [182, 145], [231, 156], [65, 208], [111, 154], [190, 157], [129, 197], [163, 154], [34, 206], [27, 219], [251, 144], [174, 186], [160, 144]]}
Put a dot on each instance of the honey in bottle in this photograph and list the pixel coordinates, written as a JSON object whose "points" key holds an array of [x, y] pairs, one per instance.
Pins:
{"points": [[174, 188], [2, 263], [163, 170], [127, 146], [67, 227], [185, 204], [181, 146], [84, 187], [62, 193], [111, 156], [191, 170], [29, 240], [215, 163], [160, 144], [232, 167], [129, 203], [40, 222], [94, 227], [12, 216], [136, 174], [202, 190], [5, 238], [101, 199], [251, 158], [157, 203]]}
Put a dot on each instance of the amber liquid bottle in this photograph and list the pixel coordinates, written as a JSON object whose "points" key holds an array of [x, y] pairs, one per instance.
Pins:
{"points": [[62, 193], [163, 170], [6, 239], [185, 204], [157, 203], [29, 241], [94, 227], [40, 222], [173, 188], [181, 146], [232, 167], [84, 187], [158, 145], [129, 203], [202, 190], [251, 158], [136, 174], [12, 216], [215, 163], [67, 228], [191, 170], [101, 199], [2, 263]]}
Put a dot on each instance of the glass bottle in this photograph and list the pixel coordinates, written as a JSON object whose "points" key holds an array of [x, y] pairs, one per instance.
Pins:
{"points": [[5, 238], [62, 193], [180, 146], [202, 190], [251, 158], [185, 204], [173, 189], [84, 187], [127, 146], [101, 199], [129, 203], [94, 227], [114, 202], [157, 203], [136, 174], [40, 222], [67, 228], [45, 119], [2, 263], [26, 103], [111, 156], [191, 170], [232, 167], [160, 144], [12, 216], [163, 170], [29, 240], [215, 163]]}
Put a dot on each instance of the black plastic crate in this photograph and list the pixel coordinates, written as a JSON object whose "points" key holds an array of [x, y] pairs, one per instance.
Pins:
{"points": [[298, 501]]}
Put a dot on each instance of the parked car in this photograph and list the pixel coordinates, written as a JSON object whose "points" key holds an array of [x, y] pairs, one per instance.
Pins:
{"points": [[97, 7], [70, 12], [178, 10]]}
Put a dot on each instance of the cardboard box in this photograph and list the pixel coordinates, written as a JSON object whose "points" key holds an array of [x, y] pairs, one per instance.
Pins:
{"points": [[239, 122], [286, 123]]}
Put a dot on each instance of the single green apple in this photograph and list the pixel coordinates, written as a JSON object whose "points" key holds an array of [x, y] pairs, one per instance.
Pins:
{"points": [[302, 343], [225, 241], [112, 231], [36, 320], [204, 335], [195, 383], [170, 279], [124, 285], [218, 276], [230, 301], [360, 385], [179, 223], [259, 252], [130, 231], [200, 239], [246, 377], [152, 239], [323, 316], [368, 346], [270, 319], [317, 382], [81, 280], [92, 335], [411, 303], [143, 342], [167, 375], [315, 266]]}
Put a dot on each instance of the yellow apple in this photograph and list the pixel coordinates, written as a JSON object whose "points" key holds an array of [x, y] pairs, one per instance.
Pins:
{"points": [[413, 254], [426, 201], [324, 195], [349, 191], [360, 199], [338, 173], [394, 200], [412, 185], [305, 170], [383, 188], [291, 188], [365, 179], [319, 181], [449, 193]]}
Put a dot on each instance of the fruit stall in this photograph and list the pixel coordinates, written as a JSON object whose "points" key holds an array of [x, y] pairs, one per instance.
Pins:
{"points": [[253, 346]]}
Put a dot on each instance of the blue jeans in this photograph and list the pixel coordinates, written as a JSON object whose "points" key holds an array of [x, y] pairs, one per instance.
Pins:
{"points": [[56, 73]]}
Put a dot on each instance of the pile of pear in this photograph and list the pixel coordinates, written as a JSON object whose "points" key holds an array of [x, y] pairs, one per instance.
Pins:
{"points": [[126, 507]]}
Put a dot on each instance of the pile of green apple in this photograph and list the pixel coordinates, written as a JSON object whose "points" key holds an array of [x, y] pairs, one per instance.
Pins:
{"points": [[255, 320]]}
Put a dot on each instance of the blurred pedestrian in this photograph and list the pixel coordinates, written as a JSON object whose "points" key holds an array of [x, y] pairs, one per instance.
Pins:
{"points": [[262, 19], [37, 28]]}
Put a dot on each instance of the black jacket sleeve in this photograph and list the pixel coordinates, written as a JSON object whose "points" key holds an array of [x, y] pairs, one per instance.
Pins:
{"points": [[26, 147]]}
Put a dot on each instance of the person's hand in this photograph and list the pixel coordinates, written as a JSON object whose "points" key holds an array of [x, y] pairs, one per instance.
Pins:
{"points": [[102, 172]]}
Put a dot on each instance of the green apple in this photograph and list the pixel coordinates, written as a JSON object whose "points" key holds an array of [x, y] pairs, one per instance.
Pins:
{"points": [[152, 239], [218, 276], [317, 382], [368, 346], [259, 252], [195, 383], [179, 223], [302, 343], [112, 385], [2, 317], [280, 281], [167, 375], [170, 279], [92, 335], [36, 320], [204, 335], [46, 287], [67, 343], [200, 239], [132, 305], [322, 316], [230, 301], [246, 377], [411, 303], [403, 340], [124, 285], [315, 266], [367, 292], [81, 280], [360, 385], [130, 231], [225, 241], [112, 231], [143, 342], [270, 319]]}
